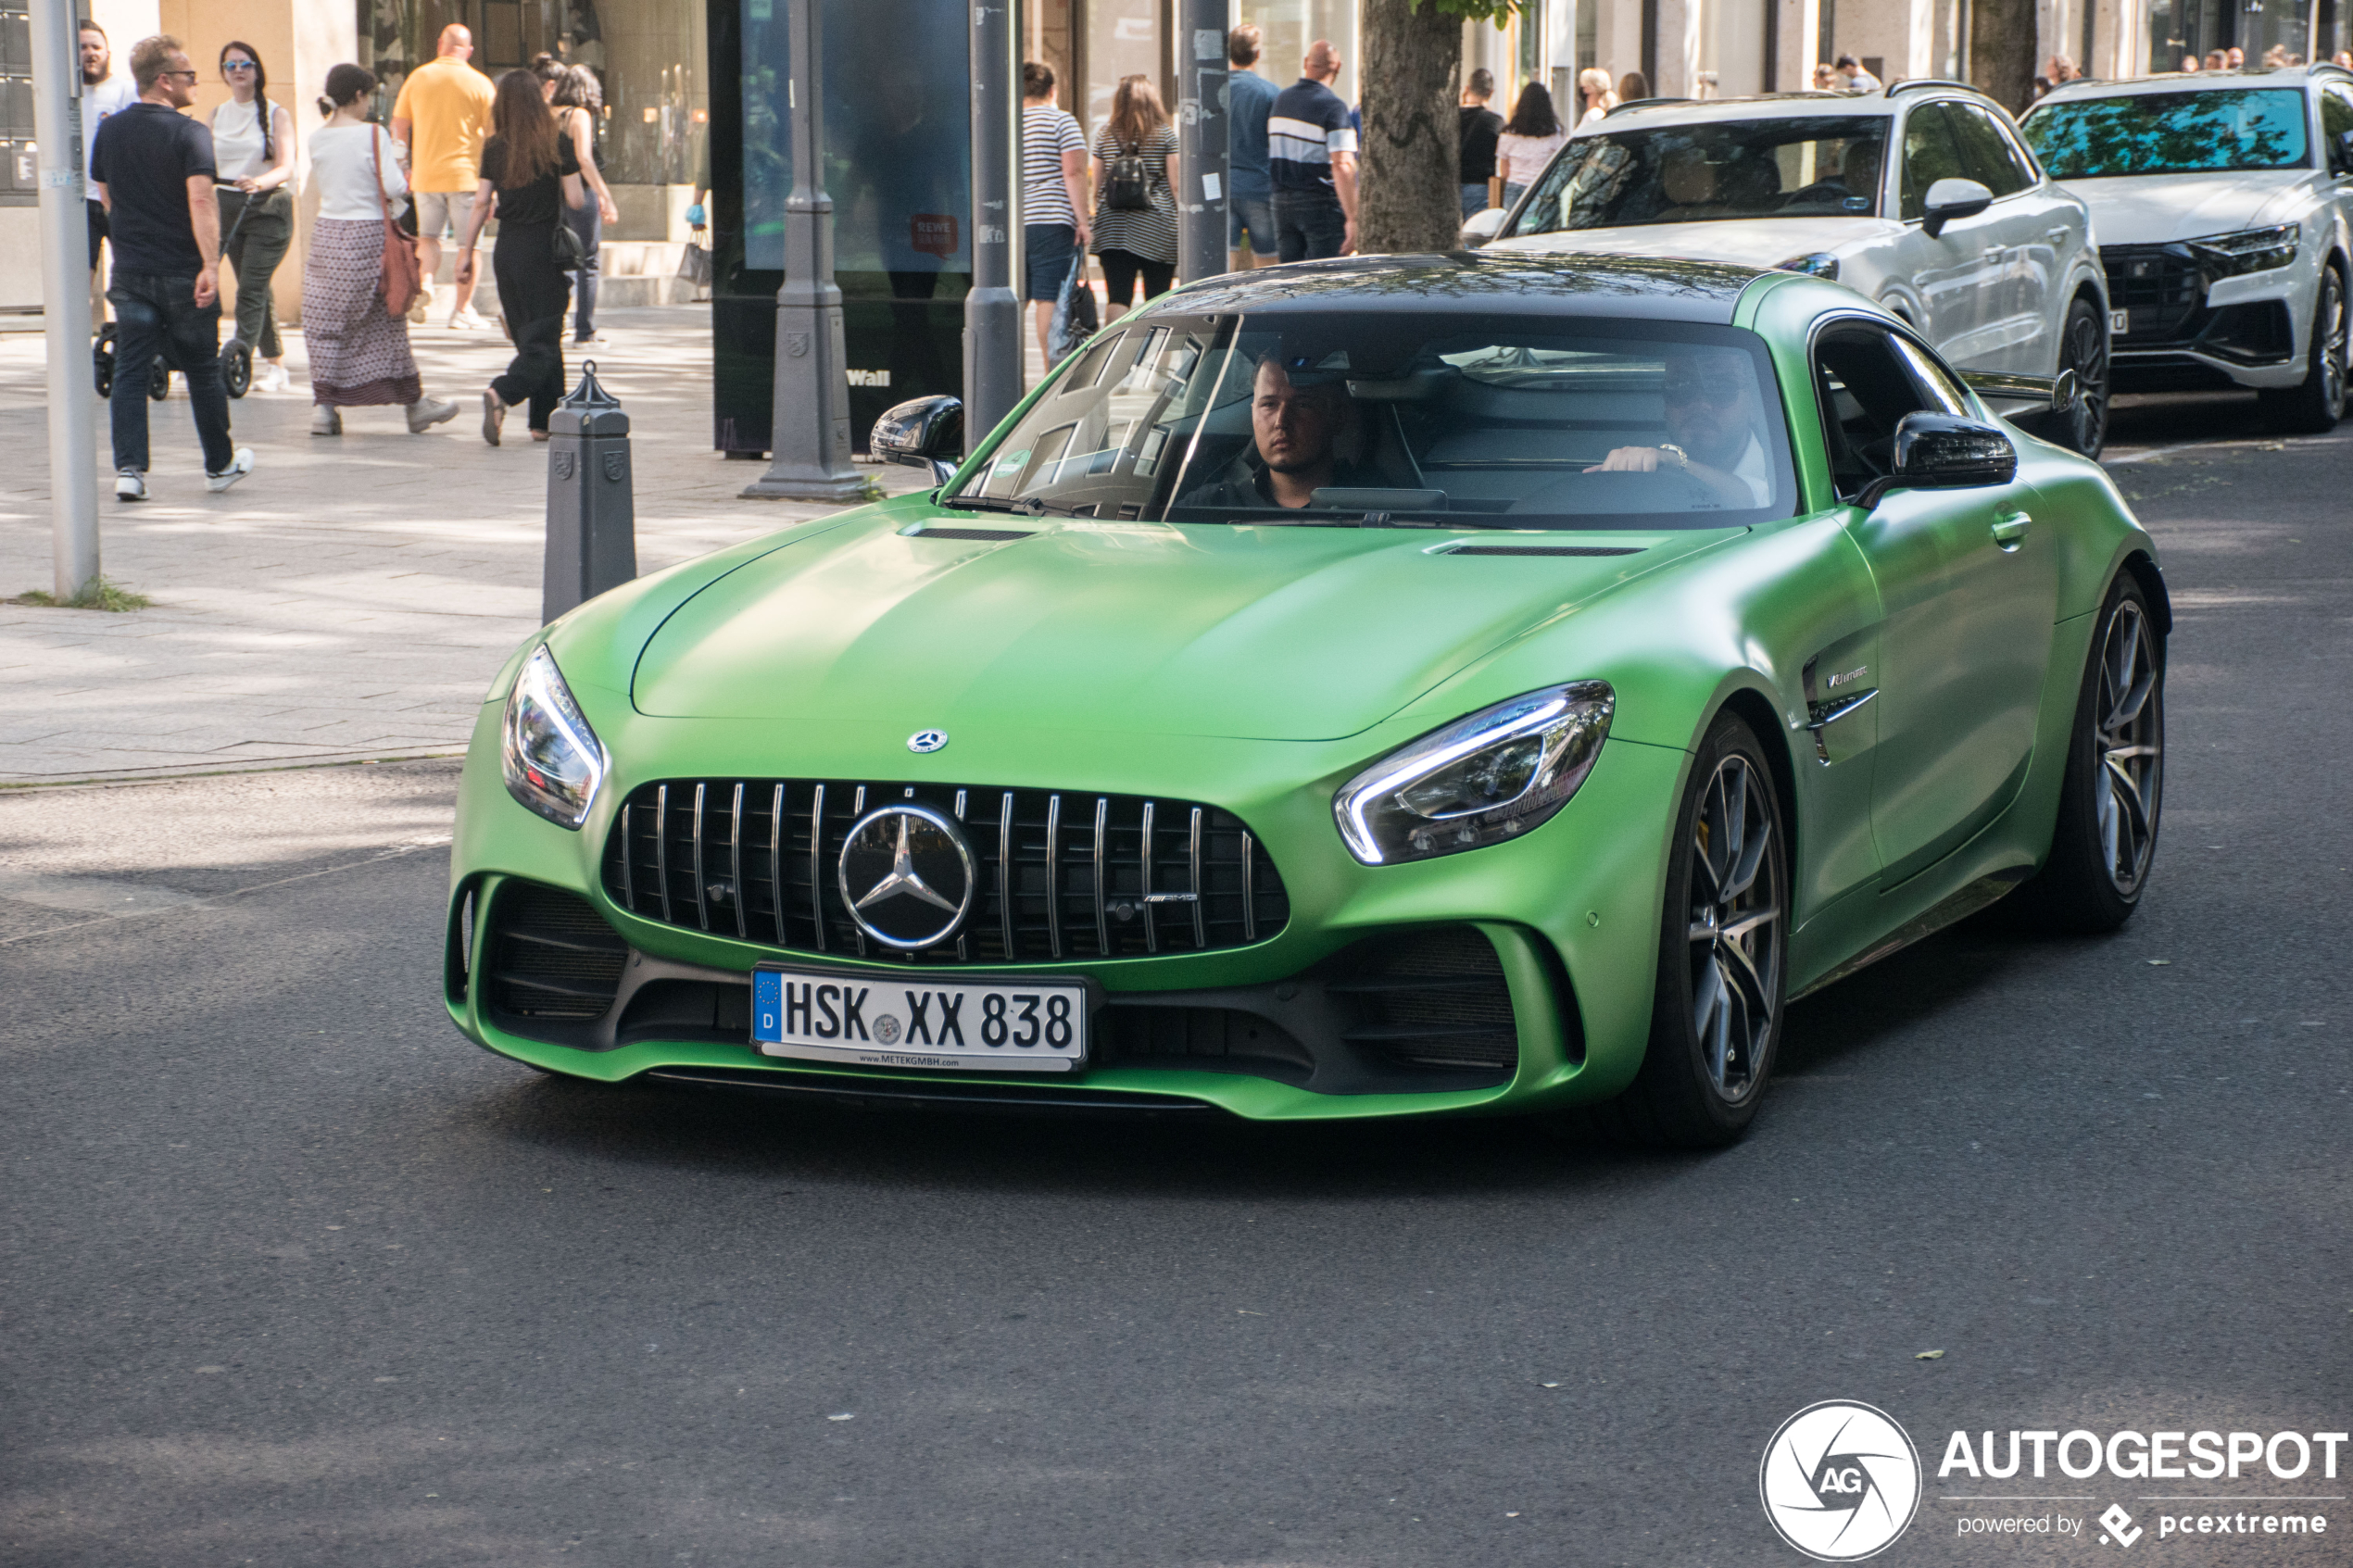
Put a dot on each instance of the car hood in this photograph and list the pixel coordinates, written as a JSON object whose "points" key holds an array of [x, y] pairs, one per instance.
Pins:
{"points": [[1258, 632], [2154, 209], [1756, 242]]}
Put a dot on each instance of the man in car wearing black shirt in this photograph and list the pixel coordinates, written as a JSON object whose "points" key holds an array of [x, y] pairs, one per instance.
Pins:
{"points": [[1302, 440], [153, 169]]}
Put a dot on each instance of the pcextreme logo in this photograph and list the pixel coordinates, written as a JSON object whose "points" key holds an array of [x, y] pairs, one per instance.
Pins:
{"points": [[1840, 1480]]}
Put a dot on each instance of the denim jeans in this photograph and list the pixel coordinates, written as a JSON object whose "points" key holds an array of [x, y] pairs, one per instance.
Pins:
{"points": [[155, 314], [588, 222], [1251, 219], [1309, 225], [1474, 199]]}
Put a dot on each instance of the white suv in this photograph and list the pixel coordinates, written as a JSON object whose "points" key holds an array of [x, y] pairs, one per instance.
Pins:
{"points": [[2222, 201], [1960, 231]]}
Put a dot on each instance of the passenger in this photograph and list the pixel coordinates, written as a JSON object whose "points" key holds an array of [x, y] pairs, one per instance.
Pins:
{"points": [[1713, 415], [1304, 438]]}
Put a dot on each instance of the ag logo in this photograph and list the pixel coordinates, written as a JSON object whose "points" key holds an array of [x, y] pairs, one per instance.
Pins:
{"points": [[1840, 1480]]}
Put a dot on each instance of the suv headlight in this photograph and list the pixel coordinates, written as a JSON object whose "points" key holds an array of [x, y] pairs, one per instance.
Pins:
{"points": [[2249, 250], [554, 763], [1479, 780]]}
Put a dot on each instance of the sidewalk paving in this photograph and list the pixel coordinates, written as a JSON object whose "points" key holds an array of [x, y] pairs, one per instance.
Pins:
{"points": [[353, 597]]}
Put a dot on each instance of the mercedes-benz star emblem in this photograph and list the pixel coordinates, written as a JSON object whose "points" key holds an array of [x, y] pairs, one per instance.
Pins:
{"points": [[907, 875], [922, 743]]}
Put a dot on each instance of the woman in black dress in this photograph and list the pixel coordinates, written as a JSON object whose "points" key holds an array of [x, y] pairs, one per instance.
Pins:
{"points": [[529, 175]]}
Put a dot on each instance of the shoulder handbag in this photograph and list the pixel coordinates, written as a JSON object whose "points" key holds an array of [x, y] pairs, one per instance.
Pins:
{"points": [[1127, 181], [401, 279], [571, 255]]}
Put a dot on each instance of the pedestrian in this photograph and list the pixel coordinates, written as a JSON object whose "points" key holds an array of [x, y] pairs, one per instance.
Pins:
{"points": [[529, 175], [104, 95], [1250, 191], [1857, 77], [2061, 69], [2342, 59], [359, 354], [2234, 58], [1595, 99], [1054, 230], [1826, 77], [443, 117], [153, 169], [1531, 138], [253, 153], [578, 99], [1135, 195], [1481, 126], [1634, 87], [2216, 60], [1311, 154]]}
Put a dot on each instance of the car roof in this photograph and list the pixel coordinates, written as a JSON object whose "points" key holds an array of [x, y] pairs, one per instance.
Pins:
{"points": [[1645, 112], [1484, 282], [2197, 81]]}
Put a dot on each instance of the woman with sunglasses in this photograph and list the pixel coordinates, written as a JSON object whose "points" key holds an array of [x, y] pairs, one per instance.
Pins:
{"points": [[253, 151]]}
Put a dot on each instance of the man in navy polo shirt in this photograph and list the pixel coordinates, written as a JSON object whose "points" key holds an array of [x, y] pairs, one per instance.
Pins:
{"points": [[1311, 154], [153, 169]]}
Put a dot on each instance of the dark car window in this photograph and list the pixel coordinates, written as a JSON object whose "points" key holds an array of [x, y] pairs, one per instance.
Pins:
{"points": [[1864, 377], [1990, 159], [2337, 123], [1462, 420], [2205, 131], [1825, 166], [1931, 152]]}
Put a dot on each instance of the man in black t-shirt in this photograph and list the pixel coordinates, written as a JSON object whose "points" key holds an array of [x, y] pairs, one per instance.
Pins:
{"points": [[1482, 125], [152, 167]]}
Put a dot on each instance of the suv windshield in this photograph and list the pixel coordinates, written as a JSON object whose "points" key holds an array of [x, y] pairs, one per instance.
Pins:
{"points": [[1811, 168], [2170, 133], [1373, 417]]}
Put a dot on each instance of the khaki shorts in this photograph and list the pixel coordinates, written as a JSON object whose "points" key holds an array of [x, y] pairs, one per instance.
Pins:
{"points": [[440, 210]]}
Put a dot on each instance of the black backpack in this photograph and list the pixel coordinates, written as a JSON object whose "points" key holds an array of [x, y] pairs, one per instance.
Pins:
{"points": [[1126, 182]]}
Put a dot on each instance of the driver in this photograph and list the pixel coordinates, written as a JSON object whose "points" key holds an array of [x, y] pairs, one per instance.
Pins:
{"points": [[1301, 438], [1714, 417]]}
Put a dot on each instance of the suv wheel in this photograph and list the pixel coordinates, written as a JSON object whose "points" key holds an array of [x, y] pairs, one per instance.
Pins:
{"points": [[2083, 349], [2314, 408]]}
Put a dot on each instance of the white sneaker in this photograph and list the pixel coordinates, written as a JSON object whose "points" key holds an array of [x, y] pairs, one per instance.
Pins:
{"points": [[131, 486], [326, 420], [427, 412], [239, 466], [469, 320], [273, 378], [421, 308]]}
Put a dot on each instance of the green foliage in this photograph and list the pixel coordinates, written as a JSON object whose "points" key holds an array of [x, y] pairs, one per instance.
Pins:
{"points": [[97, 594], [1496, 11]]}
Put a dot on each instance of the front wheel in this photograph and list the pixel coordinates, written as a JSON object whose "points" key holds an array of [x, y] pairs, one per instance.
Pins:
{"points": [[236, 368], [1716, 1016], [2314, 408], [2083, 349]]}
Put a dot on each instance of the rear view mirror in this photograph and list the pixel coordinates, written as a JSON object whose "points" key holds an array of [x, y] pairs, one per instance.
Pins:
{"points": [[1940, 452], [1949, 199], [922, 433], [1483, 226]]}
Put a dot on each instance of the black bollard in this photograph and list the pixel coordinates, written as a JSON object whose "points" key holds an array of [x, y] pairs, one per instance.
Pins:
{"points": [[592, 516]]}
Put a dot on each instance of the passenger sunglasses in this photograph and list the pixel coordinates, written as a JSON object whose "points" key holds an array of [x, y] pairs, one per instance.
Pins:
{"points": [[238, 66]]}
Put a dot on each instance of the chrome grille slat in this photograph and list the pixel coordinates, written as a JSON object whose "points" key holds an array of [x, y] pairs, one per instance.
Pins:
{"points": [[1140, 860]]}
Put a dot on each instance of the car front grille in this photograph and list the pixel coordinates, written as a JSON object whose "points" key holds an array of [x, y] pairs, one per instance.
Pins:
{"points": [[2161, 287], [1061, 874]]}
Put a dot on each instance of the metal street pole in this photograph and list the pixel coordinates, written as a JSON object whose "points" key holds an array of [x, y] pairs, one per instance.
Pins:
{"points": [[65, 293], [809, 445], [992, 312], [1200, 112]]}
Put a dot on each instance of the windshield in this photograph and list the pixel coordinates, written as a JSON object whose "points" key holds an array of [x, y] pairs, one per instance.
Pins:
{"points": [[1452, 419], [2170, 133], [1726, 168]]}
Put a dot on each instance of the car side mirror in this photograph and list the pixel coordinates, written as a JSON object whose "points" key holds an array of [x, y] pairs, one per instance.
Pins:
{"points": [[922, 433], [1948, 199], [1483, 226], [1941, 452], [2344, 140]]}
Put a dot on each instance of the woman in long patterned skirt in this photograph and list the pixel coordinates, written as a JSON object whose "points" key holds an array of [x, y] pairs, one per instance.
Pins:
{"points": [[359, 350]]}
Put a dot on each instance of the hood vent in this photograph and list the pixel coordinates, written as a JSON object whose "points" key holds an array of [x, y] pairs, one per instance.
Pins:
{"points": [[1544, 550], [990, 535]]}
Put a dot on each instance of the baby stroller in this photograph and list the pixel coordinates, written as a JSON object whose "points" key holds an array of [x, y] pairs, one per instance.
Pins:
{"points": [[236, 356]]}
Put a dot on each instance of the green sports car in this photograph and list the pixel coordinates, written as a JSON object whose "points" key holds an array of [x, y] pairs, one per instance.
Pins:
{"points": [[1393, 686]]}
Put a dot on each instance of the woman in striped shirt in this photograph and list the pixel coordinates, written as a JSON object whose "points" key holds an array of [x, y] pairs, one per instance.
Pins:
{"points": [[1129, 241], [1053, 196]]}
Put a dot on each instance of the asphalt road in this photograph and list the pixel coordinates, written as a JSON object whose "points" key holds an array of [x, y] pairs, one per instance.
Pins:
{"points": [[293, 1274]]}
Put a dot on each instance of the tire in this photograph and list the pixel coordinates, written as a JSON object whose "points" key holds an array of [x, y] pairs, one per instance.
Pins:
{"points": [[236, 368], [2083, 349], [2105, 838], [1716, 1015], [2314, 408], [160, 382], [102, 362]]}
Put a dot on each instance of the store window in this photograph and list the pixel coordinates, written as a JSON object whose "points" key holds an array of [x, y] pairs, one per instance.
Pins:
{"points": [[19, 179]]}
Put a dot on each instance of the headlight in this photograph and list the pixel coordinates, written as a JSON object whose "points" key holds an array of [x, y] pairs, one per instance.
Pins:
{"points": [[554, 763], [1818, 264], [2250, 250], [1479, 781]]}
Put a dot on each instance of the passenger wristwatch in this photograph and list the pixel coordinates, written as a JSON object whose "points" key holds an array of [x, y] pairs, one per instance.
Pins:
{"points": [[1682, 458]]}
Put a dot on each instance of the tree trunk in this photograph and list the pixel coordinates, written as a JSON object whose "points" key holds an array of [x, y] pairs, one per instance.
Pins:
{"points": [[1409, 194], [2001, 51]]}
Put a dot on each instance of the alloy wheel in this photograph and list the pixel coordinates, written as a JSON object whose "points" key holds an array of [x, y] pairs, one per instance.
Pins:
{"points": [[2130, 747], [2087, 356], [2332, 325], [1737, 931]]}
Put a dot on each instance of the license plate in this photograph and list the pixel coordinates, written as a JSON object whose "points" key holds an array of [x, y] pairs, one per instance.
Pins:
{"points": [[2120, 321], [869, 1021]]}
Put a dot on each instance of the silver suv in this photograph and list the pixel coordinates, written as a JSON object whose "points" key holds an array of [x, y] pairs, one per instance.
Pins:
{"points": [[2223, 201], [1922, 198]]}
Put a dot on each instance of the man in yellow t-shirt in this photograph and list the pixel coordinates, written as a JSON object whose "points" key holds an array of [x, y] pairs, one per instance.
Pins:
{"points": [[443, 117]]}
